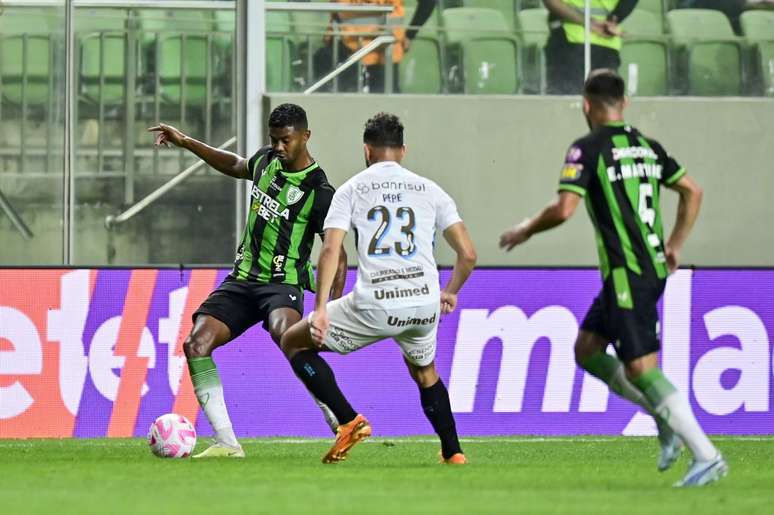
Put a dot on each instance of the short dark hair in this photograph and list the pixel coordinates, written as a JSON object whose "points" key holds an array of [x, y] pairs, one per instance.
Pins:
{"points": [[383, 130], [604, 86], [288, 115]]}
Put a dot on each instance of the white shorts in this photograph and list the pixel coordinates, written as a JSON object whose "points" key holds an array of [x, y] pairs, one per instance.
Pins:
{"points": [[415, 328]]}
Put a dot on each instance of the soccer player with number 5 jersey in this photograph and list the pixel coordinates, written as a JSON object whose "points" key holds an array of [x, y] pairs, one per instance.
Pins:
{"points": [[620, 173]]}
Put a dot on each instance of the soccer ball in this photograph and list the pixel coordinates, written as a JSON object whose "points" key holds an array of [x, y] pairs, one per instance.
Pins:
{"points": [[172, 436]]}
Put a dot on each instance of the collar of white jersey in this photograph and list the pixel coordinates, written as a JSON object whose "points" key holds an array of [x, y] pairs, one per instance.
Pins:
{"points": [[384, 164]]}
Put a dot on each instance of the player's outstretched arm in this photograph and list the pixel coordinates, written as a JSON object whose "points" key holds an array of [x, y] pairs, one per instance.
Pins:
{"points": [[458, 238], [687, 212], [222, 160], [555, 213]]}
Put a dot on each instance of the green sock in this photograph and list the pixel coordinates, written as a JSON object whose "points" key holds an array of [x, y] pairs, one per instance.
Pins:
{"points": [[655, 386], [610, 370], [209, 392]]}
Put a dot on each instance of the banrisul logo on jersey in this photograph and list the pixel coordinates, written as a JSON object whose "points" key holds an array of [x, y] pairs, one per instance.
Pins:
{"points": [[99, 353]]}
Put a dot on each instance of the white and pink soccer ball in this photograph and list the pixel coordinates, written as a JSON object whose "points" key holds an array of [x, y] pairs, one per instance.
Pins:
{"points": [[172, 436]]}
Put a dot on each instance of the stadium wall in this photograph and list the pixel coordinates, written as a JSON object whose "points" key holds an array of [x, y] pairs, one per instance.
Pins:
{"points": [[500, 158], [98, 352]]}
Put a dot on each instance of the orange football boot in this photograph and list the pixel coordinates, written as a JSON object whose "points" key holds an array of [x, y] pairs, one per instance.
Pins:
{"points": [[454, 459], [347, 435]]}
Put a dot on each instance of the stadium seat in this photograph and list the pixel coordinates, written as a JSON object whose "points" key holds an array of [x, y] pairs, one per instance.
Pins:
{"points": [[534, 34], [101, 36], [504, 7], [758, 28], [645, 54], [654, 6], [279, 50], [421, 70], [709, 54], [26, 48], [484, 48], [181, 45]]}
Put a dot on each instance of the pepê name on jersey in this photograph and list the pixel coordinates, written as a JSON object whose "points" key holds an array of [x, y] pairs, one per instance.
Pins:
{"points": [[401, 293], [267, 207]]}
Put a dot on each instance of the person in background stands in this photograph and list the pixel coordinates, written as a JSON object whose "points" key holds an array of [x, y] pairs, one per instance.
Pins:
{"points": [[359, 29], [564, 50]]}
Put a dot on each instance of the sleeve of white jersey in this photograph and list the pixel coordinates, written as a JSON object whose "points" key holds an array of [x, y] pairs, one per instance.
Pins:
{"points": [[340, 213], [446, 213]]}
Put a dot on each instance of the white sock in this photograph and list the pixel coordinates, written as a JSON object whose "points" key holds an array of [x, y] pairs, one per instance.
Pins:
{"points": [[330, 418], [209, 392], [676, 411]]}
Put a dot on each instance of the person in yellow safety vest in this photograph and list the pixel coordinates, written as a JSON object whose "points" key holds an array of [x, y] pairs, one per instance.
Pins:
{"points": [[359, 29], [564, 49]]}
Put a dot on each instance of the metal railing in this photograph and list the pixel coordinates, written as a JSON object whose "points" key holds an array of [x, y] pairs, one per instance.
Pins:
{"points": [[16, 220], [355, 58], [113, 220]]}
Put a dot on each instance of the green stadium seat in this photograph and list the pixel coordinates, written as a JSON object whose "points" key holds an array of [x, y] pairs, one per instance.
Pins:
{"points": [[180, 44], [758, 25], [709, 53], [534, 35], [654, 6], [279, 50], [483, 44], [645, 54], [101, 37], [504, 7], [758, 28], [421, 70], [26, 48]]}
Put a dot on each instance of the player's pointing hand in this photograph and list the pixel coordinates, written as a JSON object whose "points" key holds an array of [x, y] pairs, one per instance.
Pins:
{"points": [[167, 134]]}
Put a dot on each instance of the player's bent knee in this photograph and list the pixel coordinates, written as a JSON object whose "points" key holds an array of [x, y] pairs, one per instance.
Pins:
{"points": [[277, 329], [585, 346], [197, 346], [582, 351]]}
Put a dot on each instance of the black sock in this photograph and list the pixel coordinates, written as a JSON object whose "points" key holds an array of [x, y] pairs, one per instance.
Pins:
{"points": [[319, 379], [437, 408]]}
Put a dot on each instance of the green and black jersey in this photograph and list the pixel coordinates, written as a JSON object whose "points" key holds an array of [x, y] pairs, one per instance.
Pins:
{"points": [[620, 172], [287, 210]]}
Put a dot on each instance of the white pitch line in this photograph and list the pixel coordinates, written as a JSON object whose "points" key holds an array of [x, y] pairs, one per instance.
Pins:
{"points": [[380, 440]]}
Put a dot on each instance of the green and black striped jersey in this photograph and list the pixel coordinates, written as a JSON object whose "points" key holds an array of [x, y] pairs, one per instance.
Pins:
{"points": [[286, 212], [620, 172]]}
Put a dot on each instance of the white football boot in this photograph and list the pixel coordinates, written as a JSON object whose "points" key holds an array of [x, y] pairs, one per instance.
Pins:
{"points": [[701, 473], [221, 450]]}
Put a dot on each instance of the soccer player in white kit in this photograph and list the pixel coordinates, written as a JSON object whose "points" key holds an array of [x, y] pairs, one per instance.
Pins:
{"points": [[395, 215]]}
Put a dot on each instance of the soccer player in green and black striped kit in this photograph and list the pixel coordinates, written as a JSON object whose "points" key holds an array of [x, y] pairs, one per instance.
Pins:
{"points": [[619, 172], [290, 199]]}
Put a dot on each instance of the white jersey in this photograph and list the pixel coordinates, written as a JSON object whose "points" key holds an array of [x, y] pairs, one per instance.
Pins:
{"points": [[396, 215]]}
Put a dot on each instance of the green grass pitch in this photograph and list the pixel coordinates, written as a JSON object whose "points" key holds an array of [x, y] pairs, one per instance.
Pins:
{"points": [[396, 476]]}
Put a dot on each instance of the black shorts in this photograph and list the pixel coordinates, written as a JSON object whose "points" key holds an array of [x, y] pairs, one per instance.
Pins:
{"points": [[242, 304], [626, 313], [565, 63]]}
